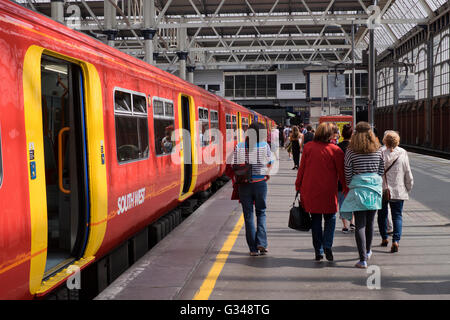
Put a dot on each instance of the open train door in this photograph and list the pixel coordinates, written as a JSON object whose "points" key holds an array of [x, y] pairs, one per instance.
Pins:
{"points": [[186, 112], [66, 165]]}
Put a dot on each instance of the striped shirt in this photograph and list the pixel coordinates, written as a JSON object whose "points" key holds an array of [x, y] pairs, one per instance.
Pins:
{"points": [[357, 163], [260, 157]]}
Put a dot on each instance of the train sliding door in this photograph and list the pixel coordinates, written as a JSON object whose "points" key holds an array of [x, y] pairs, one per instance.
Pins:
{"points": [[186, 112], [187, 147], [65, 156]]}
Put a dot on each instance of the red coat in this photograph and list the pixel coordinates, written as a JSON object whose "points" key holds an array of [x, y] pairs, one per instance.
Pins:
{"points": [[317, 179]]}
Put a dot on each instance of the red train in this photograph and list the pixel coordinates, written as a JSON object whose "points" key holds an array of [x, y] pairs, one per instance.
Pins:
{"points": [[86, 148]]}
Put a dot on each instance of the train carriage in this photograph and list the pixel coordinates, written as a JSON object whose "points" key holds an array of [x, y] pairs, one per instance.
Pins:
{"points": [[94, 146]]}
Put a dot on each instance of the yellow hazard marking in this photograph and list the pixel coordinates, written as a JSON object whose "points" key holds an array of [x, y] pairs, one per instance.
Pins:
{"points": [[209, 283]]}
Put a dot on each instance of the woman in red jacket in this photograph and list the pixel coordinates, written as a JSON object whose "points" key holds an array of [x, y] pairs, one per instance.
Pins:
{"points": [[321, 166]]}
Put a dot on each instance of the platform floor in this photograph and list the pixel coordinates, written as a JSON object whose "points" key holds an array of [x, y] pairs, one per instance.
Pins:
{"points": [[207, 256]]}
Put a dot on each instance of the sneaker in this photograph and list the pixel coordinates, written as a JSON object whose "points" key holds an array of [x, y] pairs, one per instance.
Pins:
{"points": [[319, 257], [369, 254], [384, 242], [352, 227], [328, 254], [361, 265], [344, 230], [254, 254], [262, 250]]}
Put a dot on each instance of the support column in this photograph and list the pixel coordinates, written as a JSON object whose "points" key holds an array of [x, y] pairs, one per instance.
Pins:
{"points": [[182, 47], [396, 93], [190, 70], [57, 10], [372, 77], [182, 56], [110, 22], [149, 29], [353, 77], [148, 45], [430, 91]]}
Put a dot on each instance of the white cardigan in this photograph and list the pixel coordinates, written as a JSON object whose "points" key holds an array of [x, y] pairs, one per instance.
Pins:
{"points": [[399, 177]]}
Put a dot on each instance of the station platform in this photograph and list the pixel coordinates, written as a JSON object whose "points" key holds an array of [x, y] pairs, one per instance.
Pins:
{"points": [[206, 257]]}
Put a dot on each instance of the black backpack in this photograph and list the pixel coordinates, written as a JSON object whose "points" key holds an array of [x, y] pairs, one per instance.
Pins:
{"points": [[309, 136]]}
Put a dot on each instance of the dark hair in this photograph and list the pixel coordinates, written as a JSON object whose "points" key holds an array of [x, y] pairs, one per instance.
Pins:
{"points": [[347, 131], [261, 134], [308, 127]]}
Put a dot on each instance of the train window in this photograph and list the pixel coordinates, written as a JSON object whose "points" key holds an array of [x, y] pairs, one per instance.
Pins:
{"points": [[1, 159], [168, 109], [228, 126], [164, 126], [158, 108], [203, 115], [130, 113], [214, 125], [234, 120], [139, 105], [122, 101]]}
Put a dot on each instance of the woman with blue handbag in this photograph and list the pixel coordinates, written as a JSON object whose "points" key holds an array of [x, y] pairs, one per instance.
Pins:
{"points": [[364, 168]]}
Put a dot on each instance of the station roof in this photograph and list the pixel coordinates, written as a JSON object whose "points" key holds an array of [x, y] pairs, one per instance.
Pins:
{"points": [[256, 33]]}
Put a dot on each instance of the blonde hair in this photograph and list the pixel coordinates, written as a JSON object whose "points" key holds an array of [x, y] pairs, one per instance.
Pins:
{"points": [[391, 139], [363, 139], [325, 132]]}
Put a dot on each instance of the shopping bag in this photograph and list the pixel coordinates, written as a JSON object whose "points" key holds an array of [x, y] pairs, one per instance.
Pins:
{"points": [[299, 219]]}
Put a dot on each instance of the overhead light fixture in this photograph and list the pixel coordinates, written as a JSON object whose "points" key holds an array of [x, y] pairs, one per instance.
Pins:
{"points": [[56, 68]]}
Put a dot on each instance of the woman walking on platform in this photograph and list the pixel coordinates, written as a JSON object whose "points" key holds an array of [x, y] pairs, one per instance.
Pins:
{"points": [[296, 139], [398, 179], [255, 151], [321, 166], [364, 167]]}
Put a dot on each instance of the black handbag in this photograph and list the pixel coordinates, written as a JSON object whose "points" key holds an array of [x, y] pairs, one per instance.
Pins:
{"points": [[299, 219]]}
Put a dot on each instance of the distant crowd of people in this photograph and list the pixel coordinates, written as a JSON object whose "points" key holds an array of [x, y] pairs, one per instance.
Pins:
{"points": [[357, 177]]}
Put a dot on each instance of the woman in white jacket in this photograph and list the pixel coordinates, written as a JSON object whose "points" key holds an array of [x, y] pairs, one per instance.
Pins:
{"points": [[399, 180]]}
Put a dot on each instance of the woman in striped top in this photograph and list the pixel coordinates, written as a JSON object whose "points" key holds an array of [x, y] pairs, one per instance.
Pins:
{"points": [[364, 167], [255, 151]]}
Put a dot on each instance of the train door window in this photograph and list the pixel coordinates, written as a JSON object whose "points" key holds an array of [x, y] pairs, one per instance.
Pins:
{"points": [[203, 118], [228, 127], [164, 126], [234, 123], [66, 161], [214, 125], [130, 113], [244, 124], [1, 159]]}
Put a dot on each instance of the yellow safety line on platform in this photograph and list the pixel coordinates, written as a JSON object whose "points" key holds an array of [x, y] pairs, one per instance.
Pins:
{"points": [[209, 283]]}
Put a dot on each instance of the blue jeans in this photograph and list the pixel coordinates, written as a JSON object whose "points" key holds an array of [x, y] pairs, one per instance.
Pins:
{"points": [[341, 198], [396, 213], [322, 238], [249, 194]]}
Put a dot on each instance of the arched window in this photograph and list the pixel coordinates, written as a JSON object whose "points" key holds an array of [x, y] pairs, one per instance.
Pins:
{"points": [[441, 64], [420, 58]]}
